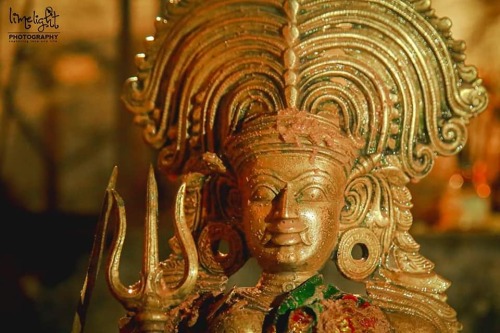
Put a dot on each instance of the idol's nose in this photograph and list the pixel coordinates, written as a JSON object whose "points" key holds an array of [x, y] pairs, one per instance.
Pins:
{"points": [[285, 218], [283, 205]]}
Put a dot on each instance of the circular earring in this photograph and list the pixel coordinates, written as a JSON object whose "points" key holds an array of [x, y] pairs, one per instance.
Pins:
{"points": [[358, 253], [221, 248]]}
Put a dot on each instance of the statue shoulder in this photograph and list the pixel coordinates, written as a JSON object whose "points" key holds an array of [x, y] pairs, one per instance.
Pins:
{"points": [[406, 323], [238, 311], [192, 314]]}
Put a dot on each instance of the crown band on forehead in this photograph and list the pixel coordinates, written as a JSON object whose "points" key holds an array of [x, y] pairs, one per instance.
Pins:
{"points": [[291, 131]]}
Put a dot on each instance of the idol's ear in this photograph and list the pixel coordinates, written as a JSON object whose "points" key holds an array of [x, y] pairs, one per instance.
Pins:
{"points": [[221, 242], [211, 208], [376, 222]]}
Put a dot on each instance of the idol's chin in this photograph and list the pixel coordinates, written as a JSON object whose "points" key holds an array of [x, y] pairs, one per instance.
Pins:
{"points": [[282, 259]]}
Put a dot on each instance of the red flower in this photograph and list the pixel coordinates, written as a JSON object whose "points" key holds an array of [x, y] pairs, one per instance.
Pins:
{"points": [[301, 317], [350, 297], [365, 305]]}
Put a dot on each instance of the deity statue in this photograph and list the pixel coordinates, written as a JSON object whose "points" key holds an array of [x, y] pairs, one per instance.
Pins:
{"points": [[295, 126]]}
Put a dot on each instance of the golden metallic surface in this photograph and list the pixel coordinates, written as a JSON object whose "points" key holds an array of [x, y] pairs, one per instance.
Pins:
{"points": [[368, 244], [296, 126], [150, 297]]}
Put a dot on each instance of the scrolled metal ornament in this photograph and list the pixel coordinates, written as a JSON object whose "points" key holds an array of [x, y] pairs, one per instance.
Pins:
{"points": [[301, 123]]}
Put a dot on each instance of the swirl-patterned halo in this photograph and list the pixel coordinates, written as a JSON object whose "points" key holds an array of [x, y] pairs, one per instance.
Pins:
{"points": [[389, 71]]}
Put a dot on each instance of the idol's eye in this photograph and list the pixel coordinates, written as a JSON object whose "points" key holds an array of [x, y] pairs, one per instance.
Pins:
{"points": [[263, 193], [311, 194]]}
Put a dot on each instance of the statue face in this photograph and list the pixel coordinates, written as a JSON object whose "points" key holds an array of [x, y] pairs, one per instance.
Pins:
{"points": [[291, 206]]}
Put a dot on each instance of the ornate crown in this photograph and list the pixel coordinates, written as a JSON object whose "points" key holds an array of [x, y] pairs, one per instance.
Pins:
{"points": [[390, 70], [291, 130]]}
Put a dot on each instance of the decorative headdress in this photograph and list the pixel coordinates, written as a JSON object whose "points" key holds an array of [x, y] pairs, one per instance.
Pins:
{"points": [[388, 70]]}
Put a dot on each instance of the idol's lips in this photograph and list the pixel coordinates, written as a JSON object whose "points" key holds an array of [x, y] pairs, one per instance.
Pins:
{"points": [[286, 233], [286, 239], [286, 227]]}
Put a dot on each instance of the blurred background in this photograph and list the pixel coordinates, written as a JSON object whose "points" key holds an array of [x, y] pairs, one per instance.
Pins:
{"points": [[63, 128]]}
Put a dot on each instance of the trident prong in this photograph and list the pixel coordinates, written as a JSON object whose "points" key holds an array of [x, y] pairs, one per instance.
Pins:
{"points": [[149, 298]]}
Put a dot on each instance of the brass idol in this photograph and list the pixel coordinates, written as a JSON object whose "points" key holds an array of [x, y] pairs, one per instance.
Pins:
{"points": [[295, 127]]}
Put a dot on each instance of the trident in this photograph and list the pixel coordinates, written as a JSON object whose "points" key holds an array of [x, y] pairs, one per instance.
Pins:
{"points": [[148, 300]]}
